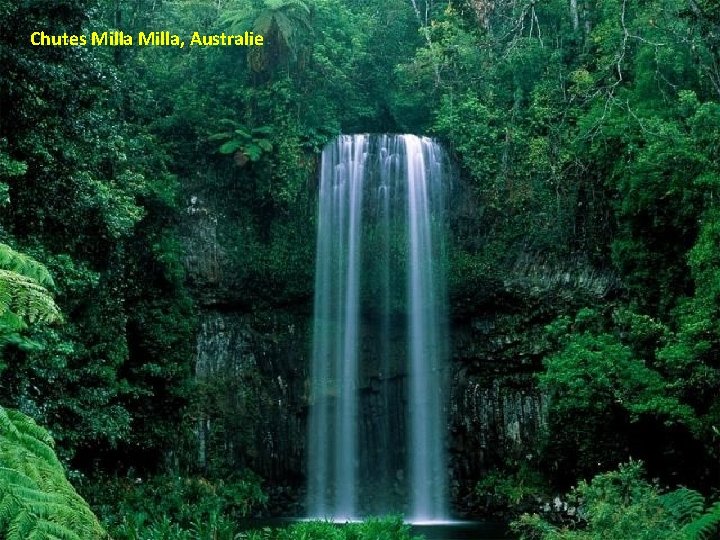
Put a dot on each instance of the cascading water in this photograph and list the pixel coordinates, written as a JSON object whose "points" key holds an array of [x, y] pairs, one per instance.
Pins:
{"points": [[376, 430]]}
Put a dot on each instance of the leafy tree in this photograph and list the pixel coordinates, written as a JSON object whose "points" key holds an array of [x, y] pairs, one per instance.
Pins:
{"points": [[612, 393], [82, 181]]}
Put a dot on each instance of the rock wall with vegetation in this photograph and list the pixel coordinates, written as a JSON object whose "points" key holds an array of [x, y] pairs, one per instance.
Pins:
{"points": [[252, 360]]}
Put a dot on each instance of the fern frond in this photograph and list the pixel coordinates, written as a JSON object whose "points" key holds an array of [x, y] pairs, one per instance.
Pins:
{"points": [[8, 509], [7, 426], [36, 500], [706, 527], [14, 477], [24, 294], [20, 526], [287, 5], [263, 24], [24, 265], [10, 325], [25, 297], [40, 449], [238, 20], [40, 502], [23, 431], [15, 458], [683, 504], [28, 426], [47, 530]]}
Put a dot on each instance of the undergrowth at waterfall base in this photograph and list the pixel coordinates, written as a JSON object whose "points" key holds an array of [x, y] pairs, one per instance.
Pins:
{"points": [[175, 508], [386, 528]]}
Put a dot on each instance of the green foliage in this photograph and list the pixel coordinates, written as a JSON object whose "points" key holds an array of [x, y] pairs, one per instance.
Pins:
{"points": [[594, 373], [609, 381], [705, 526], [388, 528], [480, 124], [12, 261], [175, 508], [504, 490], [36, 500], [23, 292], [623, 506], [24, 296], [282, 24], [84, 177], [245, 144], [684, 505]]}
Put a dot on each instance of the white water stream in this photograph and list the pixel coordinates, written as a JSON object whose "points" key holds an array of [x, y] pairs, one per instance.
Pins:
{"points": [[377, 421]]}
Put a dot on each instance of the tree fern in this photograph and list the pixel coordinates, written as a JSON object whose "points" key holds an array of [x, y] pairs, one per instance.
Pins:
{"points": [[280, 21], [36, 500]]}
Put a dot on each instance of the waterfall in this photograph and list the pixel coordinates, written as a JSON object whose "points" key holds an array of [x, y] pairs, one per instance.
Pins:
{"points": [[377, 423]]}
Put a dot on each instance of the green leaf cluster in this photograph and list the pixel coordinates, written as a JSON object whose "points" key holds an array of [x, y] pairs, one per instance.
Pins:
{"points": [[245, 144]]}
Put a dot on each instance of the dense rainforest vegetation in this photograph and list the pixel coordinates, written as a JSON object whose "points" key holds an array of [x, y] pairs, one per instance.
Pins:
{"points": [[586, 135]]}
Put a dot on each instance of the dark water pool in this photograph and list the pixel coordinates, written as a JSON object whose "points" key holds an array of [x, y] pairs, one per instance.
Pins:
{"points": [[463, 530], [450, 530]]}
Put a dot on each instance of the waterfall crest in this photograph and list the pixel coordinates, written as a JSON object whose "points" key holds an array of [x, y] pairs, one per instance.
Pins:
{"points": [[377, 425]]}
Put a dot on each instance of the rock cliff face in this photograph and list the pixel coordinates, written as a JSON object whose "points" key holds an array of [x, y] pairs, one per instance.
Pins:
{"points": [[252, 365], [251, 372]]}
